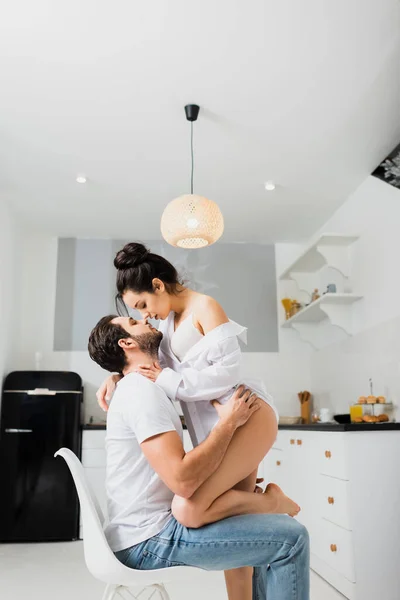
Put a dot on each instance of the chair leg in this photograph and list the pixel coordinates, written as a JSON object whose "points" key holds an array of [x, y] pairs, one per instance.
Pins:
{"points": [[162, 591], [109, 592]]}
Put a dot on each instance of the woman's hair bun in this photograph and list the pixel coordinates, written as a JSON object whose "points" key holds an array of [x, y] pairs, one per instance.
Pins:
{"points": [[132, 255]]}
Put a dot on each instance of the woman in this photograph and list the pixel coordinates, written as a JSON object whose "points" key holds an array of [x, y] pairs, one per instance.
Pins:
{"points": [[200, 362]]}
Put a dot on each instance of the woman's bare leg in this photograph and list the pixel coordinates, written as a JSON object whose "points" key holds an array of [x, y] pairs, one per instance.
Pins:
{"points": [[216, 500], [239, 582], [213, 502]]}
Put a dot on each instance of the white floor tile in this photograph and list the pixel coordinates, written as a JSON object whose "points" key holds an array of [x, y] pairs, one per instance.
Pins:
{"points": [[58, 571]]}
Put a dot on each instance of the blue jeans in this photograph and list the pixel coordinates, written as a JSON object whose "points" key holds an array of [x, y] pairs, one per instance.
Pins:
{"points": [[276, 545]]}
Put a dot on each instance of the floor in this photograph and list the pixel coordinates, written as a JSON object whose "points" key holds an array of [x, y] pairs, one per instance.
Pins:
{"points": [[48, 571]]}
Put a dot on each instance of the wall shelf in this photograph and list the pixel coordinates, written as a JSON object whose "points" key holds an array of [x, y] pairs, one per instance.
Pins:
{"points": [[330, 249], [334, 309]]}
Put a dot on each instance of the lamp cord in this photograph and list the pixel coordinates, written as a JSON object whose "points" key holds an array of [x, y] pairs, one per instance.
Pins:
{"points": [[192, 155]]}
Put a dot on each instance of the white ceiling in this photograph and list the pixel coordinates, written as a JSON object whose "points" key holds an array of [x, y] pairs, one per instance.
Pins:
{"points": [[304, 93]]}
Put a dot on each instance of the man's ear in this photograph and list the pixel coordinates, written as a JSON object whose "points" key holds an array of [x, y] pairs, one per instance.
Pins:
{"points": [[158, 286], [127, 343]]}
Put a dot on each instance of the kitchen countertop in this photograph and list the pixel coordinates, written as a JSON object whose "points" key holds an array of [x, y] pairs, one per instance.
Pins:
{"points": [[310, 427], [102, 426], [343, 427]]}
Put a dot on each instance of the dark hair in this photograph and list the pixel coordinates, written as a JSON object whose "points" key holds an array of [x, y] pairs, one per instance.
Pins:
{"points": [[137, 267], [103, 345]]}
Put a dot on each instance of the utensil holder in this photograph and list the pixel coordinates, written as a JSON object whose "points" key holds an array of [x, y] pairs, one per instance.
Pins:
{"points": [[306, 412]]}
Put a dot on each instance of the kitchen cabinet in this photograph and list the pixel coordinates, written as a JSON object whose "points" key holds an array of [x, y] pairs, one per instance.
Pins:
{"points": [[94, 465], [348, 487]]}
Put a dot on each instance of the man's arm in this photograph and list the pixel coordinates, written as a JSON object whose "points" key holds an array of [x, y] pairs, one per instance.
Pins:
{"points": [[185, 473]]}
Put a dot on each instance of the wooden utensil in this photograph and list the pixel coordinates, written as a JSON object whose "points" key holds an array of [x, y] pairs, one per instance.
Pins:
{"points": [[305, 406]]}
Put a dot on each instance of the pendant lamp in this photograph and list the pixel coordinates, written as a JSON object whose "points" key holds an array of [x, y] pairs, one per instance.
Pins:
{"points": [[192, 221]]}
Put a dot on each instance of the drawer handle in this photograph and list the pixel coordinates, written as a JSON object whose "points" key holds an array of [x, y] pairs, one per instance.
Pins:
{"points": [[292, 442], [278, 462], [299, 442], [333, 548], [328, 454], [331, 500]]}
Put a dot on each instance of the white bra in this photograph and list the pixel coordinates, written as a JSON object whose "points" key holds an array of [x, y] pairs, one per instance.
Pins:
{"points": [[184, 338]]}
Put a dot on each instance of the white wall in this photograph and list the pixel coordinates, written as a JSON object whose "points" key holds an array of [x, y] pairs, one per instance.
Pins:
{"points": [[9, 268], [340, 372], [336, 375], [285, 372], [37, 296]]}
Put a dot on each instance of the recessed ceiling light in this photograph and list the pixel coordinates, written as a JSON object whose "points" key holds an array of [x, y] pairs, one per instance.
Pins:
{"points": [[81, 179], [269, 186]]}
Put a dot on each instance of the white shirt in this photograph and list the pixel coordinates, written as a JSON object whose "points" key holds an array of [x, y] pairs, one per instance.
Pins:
{"points": [[139, 502], [210, 370]]}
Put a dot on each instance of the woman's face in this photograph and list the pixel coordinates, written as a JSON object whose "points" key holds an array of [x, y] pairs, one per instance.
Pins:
{"points": [[151, 306]]}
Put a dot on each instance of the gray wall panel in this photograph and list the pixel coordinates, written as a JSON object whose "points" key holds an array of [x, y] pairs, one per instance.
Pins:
{"points": [[63, 318], [240, 276]]}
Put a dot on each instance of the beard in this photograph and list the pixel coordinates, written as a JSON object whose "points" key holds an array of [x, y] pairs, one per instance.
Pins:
{"points": [[149, 343]]}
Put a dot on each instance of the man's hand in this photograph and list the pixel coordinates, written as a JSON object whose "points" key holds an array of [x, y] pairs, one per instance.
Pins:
{"points": [[239, 408], [150, 371], [106, 390]]}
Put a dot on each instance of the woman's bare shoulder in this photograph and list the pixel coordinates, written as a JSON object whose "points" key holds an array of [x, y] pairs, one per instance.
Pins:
{"points": [[208, 313]]}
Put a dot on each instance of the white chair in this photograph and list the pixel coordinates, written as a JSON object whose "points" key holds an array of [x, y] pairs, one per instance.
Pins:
{"points": [[100, 559]]}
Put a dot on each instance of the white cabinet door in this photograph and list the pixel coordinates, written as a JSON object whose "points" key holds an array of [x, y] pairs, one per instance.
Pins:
{"points": [[333, 498], [273, 468], [93, 457], [332, 455], [97, 480], [335, 546], [187, 442], [93, 439]]}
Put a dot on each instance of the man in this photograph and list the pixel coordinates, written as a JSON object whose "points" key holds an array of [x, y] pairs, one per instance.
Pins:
{"points": [[147, 466]]}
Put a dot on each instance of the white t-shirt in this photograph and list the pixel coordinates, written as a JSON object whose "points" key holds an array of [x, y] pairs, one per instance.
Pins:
{"points": [[139, 502]]}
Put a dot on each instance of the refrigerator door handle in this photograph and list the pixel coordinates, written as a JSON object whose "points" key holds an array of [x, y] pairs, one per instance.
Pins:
{"points": [[42, 392], [19, 430]]}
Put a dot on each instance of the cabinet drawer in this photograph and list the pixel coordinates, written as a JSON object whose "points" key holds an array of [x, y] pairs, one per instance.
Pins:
{"points": [[93, 457], [273, 467], [332, 458], [93, 439], [333, 500], [280, 441], [334, 545]]}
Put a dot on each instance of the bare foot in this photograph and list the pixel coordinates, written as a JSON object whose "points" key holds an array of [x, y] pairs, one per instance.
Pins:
{"points": [[284, 505]]}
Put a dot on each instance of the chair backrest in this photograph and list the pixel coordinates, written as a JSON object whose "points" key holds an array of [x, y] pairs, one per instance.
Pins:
{"points": [[98, 554]]}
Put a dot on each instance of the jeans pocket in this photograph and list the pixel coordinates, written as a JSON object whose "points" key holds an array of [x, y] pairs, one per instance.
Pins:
{"points": [[151, 561]]}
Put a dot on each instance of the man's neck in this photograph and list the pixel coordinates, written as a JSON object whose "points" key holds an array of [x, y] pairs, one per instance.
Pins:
{"points": [[140, 358]]}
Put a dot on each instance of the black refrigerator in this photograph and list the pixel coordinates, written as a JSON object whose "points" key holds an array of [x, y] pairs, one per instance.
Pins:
{"points": [[40, 413]]}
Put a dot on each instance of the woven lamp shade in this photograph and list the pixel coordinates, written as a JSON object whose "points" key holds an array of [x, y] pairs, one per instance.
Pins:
{"points": [[192, 221]]}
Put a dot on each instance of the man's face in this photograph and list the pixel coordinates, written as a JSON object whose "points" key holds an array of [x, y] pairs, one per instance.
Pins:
{"points": [[147, 337], [133, 327]]}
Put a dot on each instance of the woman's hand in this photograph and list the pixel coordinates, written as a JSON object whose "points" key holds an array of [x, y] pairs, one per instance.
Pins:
{"points": [[240, 406], [106, 390], [150, 371]]}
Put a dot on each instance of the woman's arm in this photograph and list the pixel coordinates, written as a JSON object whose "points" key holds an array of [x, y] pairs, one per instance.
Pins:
{"points": [[106, 390], [191, 385]]}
